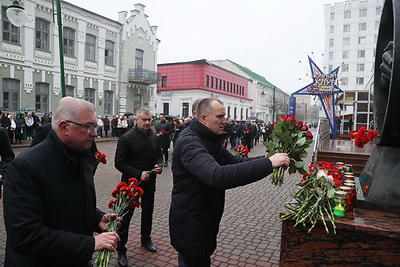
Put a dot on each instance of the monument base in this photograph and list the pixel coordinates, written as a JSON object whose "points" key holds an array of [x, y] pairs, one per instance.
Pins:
{"points": [[362, 237]]}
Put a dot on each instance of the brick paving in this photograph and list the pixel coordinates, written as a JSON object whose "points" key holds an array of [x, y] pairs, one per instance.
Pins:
{"points": [[250, 228]]}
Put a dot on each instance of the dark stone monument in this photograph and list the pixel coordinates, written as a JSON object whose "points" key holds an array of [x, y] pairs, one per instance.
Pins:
{"points": [[370, 234], [380, 179]]}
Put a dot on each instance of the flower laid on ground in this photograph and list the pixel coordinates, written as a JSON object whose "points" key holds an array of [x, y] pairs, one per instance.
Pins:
{"points": [[126, 195], [242, 151], [314, 198], [101, 157], [291, 137], [362, 136]]}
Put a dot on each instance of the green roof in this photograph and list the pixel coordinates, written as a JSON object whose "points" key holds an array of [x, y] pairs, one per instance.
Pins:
{"points": [[257, 77]]}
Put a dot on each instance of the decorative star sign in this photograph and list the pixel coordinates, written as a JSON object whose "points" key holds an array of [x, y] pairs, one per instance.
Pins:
{"points": [[325, 86]]}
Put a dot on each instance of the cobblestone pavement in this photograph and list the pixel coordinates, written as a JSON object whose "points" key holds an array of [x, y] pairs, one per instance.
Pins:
{"points": [[250, 228]]}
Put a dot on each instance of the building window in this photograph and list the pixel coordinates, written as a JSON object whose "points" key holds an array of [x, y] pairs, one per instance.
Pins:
{"points": [[90, 95], [137, 102], [345, 67], [166, 108], [362, 26], [361, 53], [185, 109], [139, 59], [69, 42], [69, 90], [11, 94], [362, 40], [207, 81], [347, 14], [345, 54], [346, 41], [90, 48], [212, 82], [330, 68], [363, 12], [10, 32], [109, 53], [332, 29], [332, 16], [377, 23], [330, 55], [378, 11], [331, 42], [42, 96], [346, 28], [108, 102], [164, 81], [344, 81], [42, 34], [360, 67], [360, 80]]}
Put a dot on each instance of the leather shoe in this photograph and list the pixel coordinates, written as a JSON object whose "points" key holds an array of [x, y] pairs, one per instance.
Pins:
{"points": [[122, 260], [149, 246]]}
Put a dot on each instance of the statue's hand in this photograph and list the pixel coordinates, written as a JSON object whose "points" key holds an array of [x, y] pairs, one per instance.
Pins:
{"points": [[386, 66]]}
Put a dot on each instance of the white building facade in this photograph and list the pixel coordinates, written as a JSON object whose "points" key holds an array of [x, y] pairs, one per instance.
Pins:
{"points": [[109, 63], [351, 30]]}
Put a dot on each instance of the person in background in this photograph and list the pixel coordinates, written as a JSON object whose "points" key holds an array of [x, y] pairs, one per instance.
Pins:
{"points": [[164, 132], [237, 132], [29, 126], [100, 124], [248, 131], [19, 127], [202, 171], [13, 126], [107, 123], [114, 125], [138, 155], [49, 196], [36, 123]]}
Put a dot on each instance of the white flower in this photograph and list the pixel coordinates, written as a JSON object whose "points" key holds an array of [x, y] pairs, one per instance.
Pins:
{"points": [[321, 173]]}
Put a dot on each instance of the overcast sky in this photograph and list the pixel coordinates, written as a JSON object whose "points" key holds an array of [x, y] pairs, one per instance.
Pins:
{"points": [[269, 37]]}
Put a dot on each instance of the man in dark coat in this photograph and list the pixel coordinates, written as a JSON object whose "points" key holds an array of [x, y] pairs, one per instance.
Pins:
{"points": [[248, 134], [164, 131], [49, 196], [6, 153], [202, 170], [138, 155]]}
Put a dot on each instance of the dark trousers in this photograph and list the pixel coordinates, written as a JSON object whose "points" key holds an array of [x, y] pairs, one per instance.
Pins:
{"points": [[165, 154], [147, 205], [190, 262]]}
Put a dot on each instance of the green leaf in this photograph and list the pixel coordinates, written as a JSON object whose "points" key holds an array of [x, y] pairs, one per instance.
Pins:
{"points": [[302, 171], [303, 155], [301, 141], [270, 146], [300, 164], [292, 167]]}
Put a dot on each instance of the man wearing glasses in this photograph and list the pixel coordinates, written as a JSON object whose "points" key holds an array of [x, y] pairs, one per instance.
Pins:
{"points": [[49, 197]]}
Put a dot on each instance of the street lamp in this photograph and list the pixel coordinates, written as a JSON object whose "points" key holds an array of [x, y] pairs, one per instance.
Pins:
{"points": [[17, 16]]}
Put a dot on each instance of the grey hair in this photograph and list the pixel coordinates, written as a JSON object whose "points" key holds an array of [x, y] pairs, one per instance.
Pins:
{"points": [[204, 106], [69, 108], [143, 111]]}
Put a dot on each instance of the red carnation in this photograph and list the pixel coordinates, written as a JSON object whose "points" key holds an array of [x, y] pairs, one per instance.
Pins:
{"points": [[309, 135]]}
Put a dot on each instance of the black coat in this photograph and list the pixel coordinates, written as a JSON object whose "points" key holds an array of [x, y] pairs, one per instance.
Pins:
{"points": [[137, 152], [6, 153], [165, 139], [50, 207], [202, 170]]}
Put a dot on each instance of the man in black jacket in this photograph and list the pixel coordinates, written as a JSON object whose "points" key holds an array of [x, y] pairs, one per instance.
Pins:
{"points": [[164, 131], [49, 196], [202, 170], [138, 155], [6, 153]]}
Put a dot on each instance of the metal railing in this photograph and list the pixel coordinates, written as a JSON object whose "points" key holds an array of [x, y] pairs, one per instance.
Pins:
{"points": [[323, 134], [143, 76]]}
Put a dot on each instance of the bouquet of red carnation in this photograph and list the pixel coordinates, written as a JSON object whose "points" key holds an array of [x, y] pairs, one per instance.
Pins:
{"points": [[363, 136], [314, 197], [126, 195], [291, 137], [242, 151], [101, 157]]}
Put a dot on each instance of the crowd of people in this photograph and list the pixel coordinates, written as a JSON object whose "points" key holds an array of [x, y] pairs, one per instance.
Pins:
{"points": [[52, 182]]}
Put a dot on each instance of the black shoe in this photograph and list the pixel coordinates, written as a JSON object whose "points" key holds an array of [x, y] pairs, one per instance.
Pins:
{"points": [[122, 261], [149, 246]]}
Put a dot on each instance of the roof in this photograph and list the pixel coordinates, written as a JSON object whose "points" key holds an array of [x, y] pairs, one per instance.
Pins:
{"points": [[257, 77]]}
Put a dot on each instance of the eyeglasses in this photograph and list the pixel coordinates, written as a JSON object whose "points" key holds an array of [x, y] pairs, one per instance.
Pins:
{"points": [[89, 127]]}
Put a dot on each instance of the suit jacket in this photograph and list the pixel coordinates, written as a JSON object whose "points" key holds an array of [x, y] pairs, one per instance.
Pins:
{"points": [[50, 206]]}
